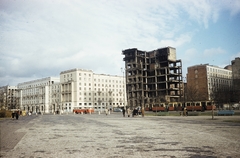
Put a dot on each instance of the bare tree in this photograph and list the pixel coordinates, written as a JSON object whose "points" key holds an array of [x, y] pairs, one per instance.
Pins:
{"points": [[191, 94], [222, 94]]}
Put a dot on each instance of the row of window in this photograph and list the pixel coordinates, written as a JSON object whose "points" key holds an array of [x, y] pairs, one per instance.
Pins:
{"points": [[99, 85], [106, 99], [66, 77], [33, 91], [219, 71], [33, 98], [32, 102], [99, 94], [219, 75], [220, 81], [101, 104], [107, 90], [36, 85]]}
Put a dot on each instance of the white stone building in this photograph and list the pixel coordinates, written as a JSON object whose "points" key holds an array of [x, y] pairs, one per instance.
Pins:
{"points": [[218, 77], [85, 89], [42, 95]]}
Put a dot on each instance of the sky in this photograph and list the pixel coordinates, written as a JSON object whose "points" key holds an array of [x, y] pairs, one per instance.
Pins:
{"points": [[41, 38]]}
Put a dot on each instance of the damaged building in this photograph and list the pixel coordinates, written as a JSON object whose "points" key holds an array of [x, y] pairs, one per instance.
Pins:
{"points": [[153, 77]]}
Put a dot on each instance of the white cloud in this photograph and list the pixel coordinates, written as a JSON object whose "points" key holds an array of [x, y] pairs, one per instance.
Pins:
{"points": [[213, 52], [233, 6], [46, 37], [204, 11], [190, 54], [199, 11]]}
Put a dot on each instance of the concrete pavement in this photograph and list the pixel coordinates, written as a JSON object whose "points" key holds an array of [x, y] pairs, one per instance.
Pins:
{"points": [[113, 136]]}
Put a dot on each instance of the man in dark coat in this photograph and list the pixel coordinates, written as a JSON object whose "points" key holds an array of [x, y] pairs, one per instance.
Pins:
{"points": [[123, 111], [17, 115], [13, 115]]}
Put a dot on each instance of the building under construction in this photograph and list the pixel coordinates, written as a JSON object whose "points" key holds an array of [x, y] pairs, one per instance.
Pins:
{"points": [[152, 77]]}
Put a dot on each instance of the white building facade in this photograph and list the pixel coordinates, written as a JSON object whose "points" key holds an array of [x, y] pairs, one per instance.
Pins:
{"points": [[217, 77], [84, 89], [42, 95]]}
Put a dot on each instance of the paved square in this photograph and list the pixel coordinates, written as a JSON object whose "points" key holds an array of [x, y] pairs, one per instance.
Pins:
{"points": [[115, 136]]}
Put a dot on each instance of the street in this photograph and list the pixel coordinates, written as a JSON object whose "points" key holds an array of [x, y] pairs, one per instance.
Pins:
{"points": [[114, 136]]}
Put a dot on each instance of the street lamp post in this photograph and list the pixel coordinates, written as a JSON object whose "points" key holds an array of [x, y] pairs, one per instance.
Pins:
{"points": [[123, 89]]}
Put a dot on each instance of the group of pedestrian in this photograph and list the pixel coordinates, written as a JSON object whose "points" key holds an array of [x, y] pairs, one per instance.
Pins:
{"points": [[135, 112], [15, 114]]}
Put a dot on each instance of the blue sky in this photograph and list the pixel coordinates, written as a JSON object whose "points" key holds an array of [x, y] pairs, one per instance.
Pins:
{"points": [[42, 38]]}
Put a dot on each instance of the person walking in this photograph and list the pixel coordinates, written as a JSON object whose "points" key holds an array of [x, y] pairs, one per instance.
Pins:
{"points": [[185, 111], [13, 115], [106, 111], [128, 112], [17, 115], [123, 111]]}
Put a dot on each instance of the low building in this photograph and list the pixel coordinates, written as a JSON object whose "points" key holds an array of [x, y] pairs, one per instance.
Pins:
{"points": [[41, 95]]}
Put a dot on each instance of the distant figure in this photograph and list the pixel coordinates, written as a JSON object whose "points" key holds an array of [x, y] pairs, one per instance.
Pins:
{"points": [[128, 112], [139, 110], [17, 115], [134, 112], [106, 111], [13, 115], [123, 111], [185, 111]]}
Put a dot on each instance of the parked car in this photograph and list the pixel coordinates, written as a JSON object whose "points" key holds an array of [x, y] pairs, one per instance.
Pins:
{"points": [[117, 110]]}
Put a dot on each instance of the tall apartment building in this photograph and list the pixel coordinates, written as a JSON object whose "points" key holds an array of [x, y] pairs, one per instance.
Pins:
{"points": [[9, 98], [85, 89], [203, 79], [152, 77], [42, 95], [236, 78]]}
